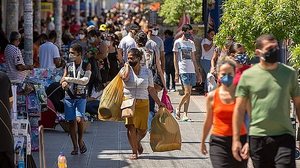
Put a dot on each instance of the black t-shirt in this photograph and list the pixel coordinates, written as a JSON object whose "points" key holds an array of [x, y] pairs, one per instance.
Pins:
{"points": [[6, 142]]}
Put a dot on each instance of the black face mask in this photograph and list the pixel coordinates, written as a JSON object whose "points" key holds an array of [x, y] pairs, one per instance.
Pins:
{"points": [[187, 35], [272, 56], [132, 63]]}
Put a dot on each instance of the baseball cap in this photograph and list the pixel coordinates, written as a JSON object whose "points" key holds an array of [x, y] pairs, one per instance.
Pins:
{"points": [[103, 27]]}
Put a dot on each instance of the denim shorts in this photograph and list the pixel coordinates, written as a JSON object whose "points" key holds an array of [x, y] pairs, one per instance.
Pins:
{"points": [[188, 79], [74, 108]]}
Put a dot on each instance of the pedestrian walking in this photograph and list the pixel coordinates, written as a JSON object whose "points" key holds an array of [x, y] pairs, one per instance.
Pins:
{"points": [[220, 105], [268, 86], [185, 66], [76, 77], [137, 125], [169, 60]]}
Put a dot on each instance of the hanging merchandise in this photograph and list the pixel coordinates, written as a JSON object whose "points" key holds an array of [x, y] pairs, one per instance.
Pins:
{"points": [[165, 133]]}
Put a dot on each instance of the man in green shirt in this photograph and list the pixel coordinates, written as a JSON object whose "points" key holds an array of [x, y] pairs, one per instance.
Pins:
{"points": [[268, 87]]}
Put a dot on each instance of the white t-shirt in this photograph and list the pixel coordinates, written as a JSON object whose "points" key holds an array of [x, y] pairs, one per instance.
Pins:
{"points": [[207, 54], [48, 51], [126, 44], [185, 48], [133, 90]]}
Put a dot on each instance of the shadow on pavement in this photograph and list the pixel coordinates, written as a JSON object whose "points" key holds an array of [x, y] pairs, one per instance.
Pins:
{"points": [[170, 158]]}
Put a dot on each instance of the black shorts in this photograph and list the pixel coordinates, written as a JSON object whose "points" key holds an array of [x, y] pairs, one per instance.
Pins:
{"points": [[273, 151], [221, 153]]}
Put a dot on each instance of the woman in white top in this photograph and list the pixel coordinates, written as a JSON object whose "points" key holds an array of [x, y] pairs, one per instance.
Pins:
{"points": [[138, 83]]}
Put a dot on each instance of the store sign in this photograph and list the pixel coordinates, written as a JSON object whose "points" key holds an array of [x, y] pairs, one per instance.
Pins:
{"points": [[47, 7]]}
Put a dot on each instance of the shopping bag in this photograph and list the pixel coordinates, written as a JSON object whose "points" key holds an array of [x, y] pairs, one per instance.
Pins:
{"points": [[166, 100], [111, 100], [165, 133]]}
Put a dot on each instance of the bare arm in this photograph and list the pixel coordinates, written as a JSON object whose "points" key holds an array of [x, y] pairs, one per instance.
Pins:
{"points": [[207, 47], [120, 55], [237, 121], [213, 61], [176, 66], [153, 94], [159, 70], [162, 60], [196, 68], [21, 67], [208, 121]]}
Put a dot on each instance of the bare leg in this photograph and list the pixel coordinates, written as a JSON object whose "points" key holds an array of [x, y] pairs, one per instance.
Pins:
{"points": [[72, 126], [140, 135], [186, 96], [132, 137], [188, 90], [80, 124]]}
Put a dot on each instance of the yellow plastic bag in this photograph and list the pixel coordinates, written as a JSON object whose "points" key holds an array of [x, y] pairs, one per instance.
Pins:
{"points": [[111, 100], [165, 133]]}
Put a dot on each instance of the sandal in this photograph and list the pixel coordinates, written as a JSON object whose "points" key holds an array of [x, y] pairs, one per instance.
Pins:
{"points": [[83, 148], [141, 149], [74, 152], [177, 114], [133, 157]]}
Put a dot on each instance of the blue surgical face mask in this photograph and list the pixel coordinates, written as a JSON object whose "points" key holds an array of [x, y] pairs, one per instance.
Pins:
{"points": [[242, 59], [227, 80]]}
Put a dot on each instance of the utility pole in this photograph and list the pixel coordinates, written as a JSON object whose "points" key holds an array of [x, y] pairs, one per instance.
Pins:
{"points": [[57, 20], [12, 16], [28, 32], [37, 16]]}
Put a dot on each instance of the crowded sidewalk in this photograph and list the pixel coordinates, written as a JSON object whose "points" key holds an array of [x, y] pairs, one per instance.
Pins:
{"points": [[108, 146]]}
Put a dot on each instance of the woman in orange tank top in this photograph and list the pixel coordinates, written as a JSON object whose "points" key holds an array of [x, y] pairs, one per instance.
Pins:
{"points": [[220, 105]]}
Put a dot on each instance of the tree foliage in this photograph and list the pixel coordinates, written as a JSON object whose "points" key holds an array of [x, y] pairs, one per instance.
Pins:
{"points": [[173, 10], [245, 20]]}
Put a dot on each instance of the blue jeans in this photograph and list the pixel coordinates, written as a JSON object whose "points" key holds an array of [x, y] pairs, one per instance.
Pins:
{"points": [[152, 111], [206, 67]]}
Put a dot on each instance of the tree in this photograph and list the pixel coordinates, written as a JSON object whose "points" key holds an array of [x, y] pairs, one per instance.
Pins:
{"points": [[245, 20], [12, 11], [173, 10], [28, 32], [57, 20]]}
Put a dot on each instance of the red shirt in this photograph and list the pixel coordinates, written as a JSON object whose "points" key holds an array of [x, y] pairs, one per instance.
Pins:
{"points": [[238, 74]]}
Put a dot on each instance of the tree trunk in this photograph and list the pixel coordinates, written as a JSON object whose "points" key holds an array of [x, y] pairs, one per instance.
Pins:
{"points": [[37, 16], [57, 20], [93, 7], [12, 14], [77, 11], [28, 32], [87, 8]]}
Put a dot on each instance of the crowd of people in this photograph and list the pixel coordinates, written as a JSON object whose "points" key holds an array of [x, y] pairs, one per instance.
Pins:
{"points": [[248, 108]]}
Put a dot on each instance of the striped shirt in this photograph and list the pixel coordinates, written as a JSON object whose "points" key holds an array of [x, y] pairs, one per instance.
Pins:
{"points": [[131, 89], [13, 57]]}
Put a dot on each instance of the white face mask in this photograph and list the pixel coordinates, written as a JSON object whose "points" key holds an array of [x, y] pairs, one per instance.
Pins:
{"points": [[81, 36], [92, 39], [154, 32], [72, 57]]}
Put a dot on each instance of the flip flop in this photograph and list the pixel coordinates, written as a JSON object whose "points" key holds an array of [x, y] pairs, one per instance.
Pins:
{"points": [[133, 157], [74, 152], [177, 114], [83, 148]]}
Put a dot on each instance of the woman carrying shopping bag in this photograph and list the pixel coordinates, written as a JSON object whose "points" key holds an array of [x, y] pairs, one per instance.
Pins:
{"points": [[76, 76], [138, 82], [220, 106]]}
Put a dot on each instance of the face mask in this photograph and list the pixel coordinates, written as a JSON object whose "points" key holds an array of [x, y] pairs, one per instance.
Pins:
{"points": [[92, 39], [132, 63], [187, 35], [227, 80], [72, 57], [241, 59], [272, 56], [154, 32], [81, 36]]}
